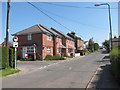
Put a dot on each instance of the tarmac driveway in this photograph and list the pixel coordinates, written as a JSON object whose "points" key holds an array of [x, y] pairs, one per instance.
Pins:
{"points": [[26, 66]]}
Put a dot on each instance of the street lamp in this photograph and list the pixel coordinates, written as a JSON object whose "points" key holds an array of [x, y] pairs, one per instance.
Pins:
{"points": [[109, 22]]}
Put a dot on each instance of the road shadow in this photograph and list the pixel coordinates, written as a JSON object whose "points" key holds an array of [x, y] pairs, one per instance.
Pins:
{"points": [[104, 52], [105, 79], [105, 60]]}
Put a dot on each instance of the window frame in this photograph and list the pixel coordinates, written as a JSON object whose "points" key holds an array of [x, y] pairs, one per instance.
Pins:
{"points": [[48, 49], [29, 37], [49, 37]]}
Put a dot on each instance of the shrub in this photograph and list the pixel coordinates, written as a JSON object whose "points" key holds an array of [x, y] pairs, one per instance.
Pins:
{"points": [[55, 57], [58, 57], [39, 57], [115, 61], [48, 57], [30, 58], [85, 50], [81, 52], [3, 59], [11, 57], [69, 56]]}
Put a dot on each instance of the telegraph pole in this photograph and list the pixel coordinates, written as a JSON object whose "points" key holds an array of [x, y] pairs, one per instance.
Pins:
{"points": [[7, 31]]}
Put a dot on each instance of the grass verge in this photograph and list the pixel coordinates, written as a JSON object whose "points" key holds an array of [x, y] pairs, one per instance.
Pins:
{"points": [[8, 71]]}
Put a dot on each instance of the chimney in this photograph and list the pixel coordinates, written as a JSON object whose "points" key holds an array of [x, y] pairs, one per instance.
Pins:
{"points": [[115, 37], [73, 33], [4, 39]]}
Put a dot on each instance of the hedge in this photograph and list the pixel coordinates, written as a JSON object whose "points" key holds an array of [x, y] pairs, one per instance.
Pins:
{"points": [[55, 57], [12, 57], [3, 57], [115, 62]]}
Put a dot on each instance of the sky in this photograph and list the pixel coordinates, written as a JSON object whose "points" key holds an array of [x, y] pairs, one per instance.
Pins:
{"points": [[87, 21]]}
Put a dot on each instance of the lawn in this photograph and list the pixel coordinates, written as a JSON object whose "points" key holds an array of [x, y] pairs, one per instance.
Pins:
{"points": [[8, 71]]}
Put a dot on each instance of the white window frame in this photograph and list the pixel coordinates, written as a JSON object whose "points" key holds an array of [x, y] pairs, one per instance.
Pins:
{"points": [[29, 36], [48, 49], [49, 37], [30, 49]]}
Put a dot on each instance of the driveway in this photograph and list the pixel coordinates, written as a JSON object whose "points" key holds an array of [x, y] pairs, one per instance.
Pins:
{"points": [[27, 66]]}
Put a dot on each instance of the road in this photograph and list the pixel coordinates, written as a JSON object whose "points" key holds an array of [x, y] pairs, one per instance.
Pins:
{"points": [[68, 74]]}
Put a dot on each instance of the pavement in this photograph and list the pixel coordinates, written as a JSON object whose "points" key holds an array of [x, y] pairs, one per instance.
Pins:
{"points": [[103, 77], [78, 72]]}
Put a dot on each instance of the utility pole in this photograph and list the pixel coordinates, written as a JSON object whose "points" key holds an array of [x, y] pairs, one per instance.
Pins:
{"points": [[110, 35], [7, 31]]}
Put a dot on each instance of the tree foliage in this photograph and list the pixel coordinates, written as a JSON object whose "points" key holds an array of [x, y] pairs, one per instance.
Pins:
{"points": [[96, 46], [106, 44], [91, 45]]}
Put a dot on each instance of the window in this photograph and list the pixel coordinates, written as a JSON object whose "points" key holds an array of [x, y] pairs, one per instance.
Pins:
{"points": [[48, 49], [70, 50], [59, 50], [48, 37], [30, 50], [29, 36]]}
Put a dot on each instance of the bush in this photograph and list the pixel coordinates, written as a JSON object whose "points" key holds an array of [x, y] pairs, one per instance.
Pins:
{"points": [[3, 59], [11, 57], [115, 62], [56, 57], [85, 50], [81, 52], [30, 58], [48, 57], [39, 57], [69, 56]]}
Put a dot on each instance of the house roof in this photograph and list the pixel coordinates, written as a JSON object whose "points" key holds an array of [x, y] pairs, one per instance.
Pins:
{"points": [[116, 39], [74, 36], [62, 34], [50, 30], [33, 29]]}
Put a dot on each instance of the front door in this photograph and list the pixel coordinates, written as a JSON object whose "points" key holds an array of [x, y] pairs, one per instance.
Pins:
{"points": [[24, 51]]}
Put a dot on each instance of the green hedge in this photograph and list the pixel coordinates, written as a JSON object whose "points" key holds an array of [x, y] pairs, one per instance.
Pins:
{"points": [[55, 57], [115, 62], [12, 57], [3, 57]]}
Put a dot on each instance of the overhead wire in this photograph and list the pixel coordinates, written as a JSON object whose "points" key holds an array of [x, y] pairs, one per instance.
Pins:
{"points": [[50, 17], [72, 20], [75, 6]]}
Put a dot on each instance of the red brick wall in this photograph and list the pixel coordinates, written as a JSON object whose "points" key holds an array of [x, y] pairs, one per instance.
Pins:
{"points": [[41, 41], [46, 43], [80, 44], [69, 43], [36, 38], [58, 43]]}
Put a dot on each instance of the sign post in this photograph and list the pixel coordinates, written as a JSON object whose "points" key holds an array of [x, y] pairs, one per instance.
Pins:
{"points": [[15, 45], [15, 57]]}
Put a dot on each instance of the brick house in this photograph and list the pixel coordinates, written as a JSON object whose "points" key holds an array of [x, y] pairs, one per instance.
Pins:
{"points": [[57, 41], [116, 41], [40, 41], [79, 43], [35, 40], [68, 48], [3, 44]]}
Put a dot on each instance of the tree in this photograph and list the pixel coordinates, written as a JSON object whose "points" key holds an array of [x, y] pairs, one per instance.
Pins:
{"points": [[91, 45], [106, 44], [96, 46]]}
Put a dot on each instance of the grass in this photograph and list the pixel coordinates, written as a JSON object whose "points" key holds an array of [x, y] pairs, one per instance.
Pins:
{"points": [[69, 56], [8, 71]]}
